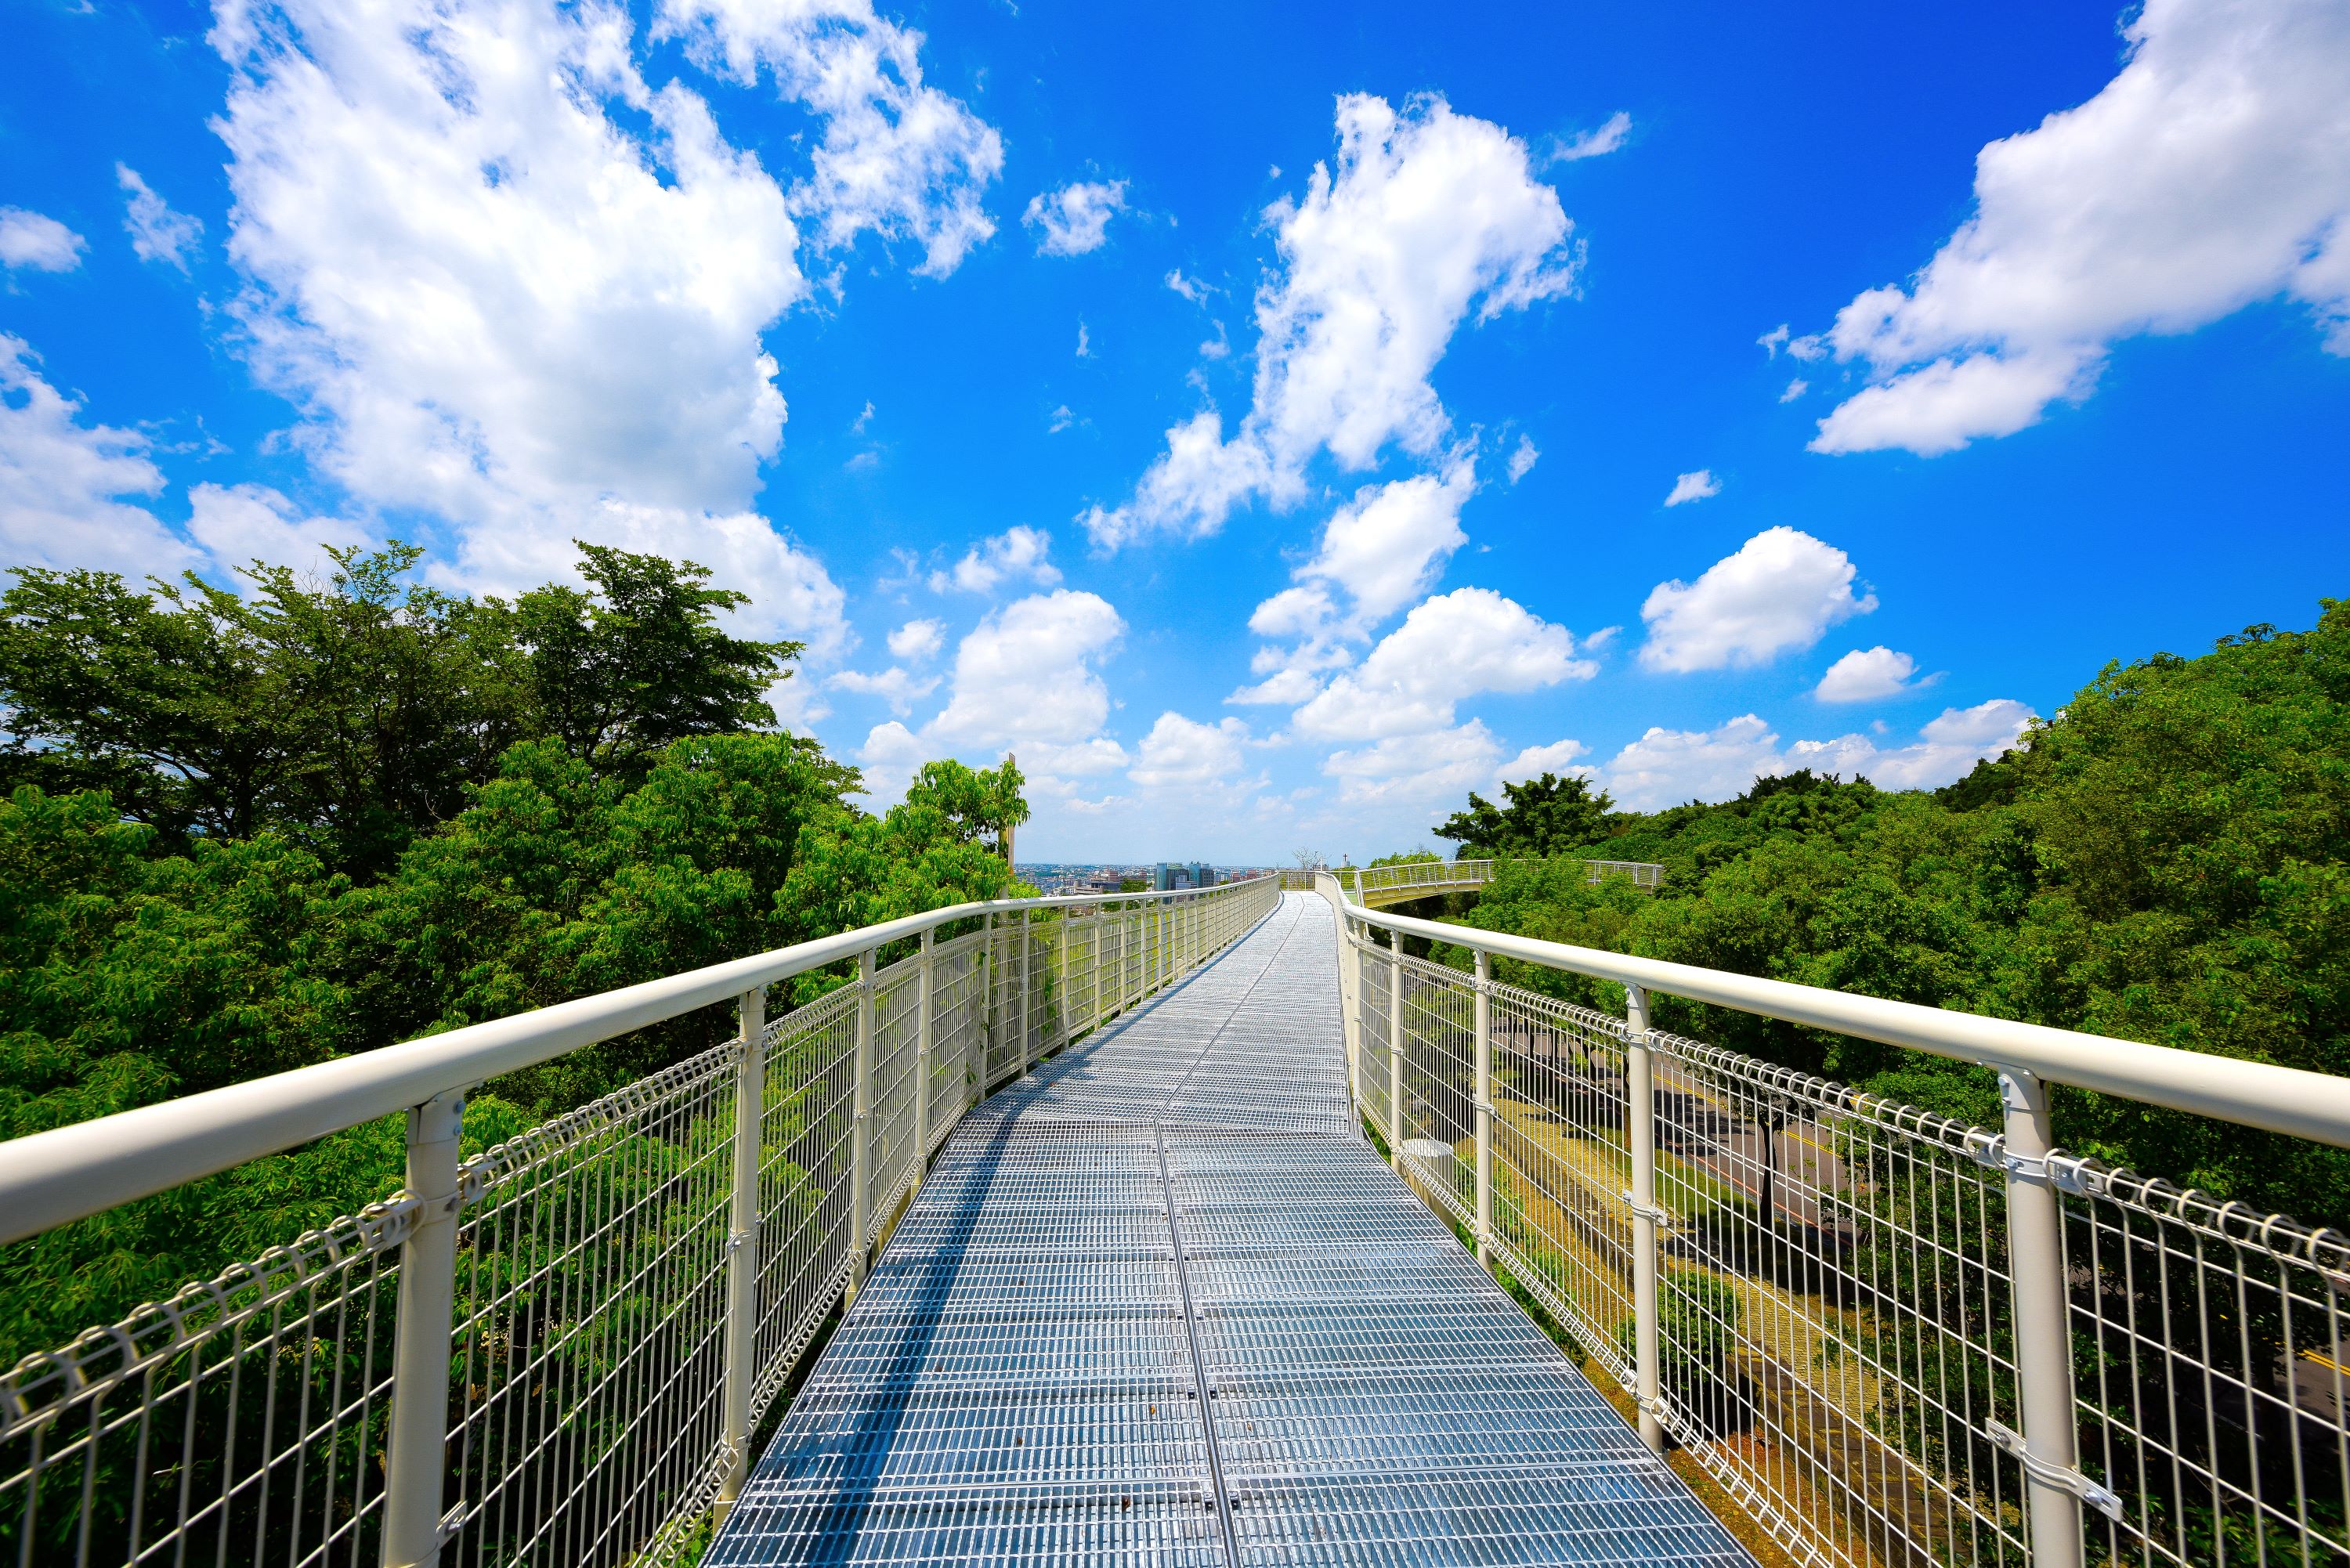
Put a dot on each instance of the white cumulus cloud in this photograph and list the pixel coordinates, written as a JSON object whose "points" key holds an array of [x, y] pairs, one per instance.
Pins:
{"points": [[30, 239], [1403, 770], [1422, 219], [158, 234], [1779, 593], [1076, 218], [1692, 487], [1024, 680], [1018, 554], [241, 523], [1523, 460], [1665, 767], [918, 641], [510, 283], [62, 480], [1558, 757], [1451, 647], [1180, 754], [2213, 171], [896, 686], [897, 156], [1867, 675]]}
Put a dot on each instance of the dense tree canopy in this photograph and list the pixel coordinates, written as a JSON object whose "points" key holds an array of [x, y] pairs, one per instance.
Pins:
{"points": [[2167, 860], [354, 714], [250, 834], [1545, 815]]}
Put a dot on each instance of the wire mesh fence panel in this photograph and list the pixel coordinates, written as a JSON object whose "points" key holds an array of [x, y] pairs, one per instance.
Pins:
{"points": [[1560, 1163], [2209, 1352], [1374, 973], [956, 972], [591, 1303], [1004, 1042], [238, 1422], [1833, 1311], [1438, 1125], [805, 1132], [897, 1039]]}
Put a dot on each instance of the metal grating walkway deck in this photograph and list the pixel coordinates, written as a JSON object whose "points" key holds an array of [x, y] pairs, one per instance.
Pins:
{"points": [[1161, 1304]]}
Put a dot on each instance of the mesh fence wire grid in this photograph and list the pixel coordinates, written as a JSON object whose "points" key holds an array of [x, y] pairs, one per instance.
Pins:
{"points": [[1160, 1302]]}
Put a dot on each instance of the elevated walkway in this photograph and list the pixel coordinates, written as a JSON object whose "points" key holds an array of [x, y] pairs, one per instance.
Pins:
{"points": [[1161, 1302]]}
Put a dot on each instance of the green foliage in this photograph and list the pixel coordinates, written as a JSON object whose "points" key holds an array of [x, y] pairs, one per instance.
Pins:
{"points": [[2167, 860], [1408, 857], [353, 814], [354, 715], [1546, 815]]}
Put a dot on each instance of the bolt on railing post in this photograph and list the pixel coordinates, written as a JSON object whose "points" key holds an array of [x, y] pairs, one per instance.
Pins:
{"points": [[2043, 1340], [1640, 1120], [416, 1442], [860, 1137], [743, 1245], [925, 1036], [1484, 1024], [1394, 1049]]}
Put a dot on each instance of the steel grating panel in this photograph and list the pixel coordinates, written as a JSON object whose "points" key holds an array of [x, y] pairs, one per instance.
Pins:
{"points": [[1159, 1303]]}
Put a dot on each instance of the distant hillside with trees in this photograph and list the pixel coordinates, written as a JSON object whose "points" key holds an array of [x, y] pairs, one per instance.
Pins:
{"points": [[247, 831], [2166, 860]]}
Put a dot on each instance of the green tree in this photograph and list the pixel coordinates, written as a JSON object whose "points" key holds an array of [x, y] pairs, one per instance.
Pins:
{"points": [[1545, 815]]}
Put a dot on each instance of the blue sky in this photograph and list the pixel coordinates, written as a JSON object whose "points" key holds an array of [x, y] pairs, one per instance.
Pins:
{"points": [[1262, 424]]}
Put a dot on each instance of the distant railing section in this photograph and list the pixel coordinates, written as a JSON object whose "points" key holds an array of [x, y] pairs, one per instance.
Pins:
{"points": [[1892, 1337], [557, 1352], [1374, 884]]}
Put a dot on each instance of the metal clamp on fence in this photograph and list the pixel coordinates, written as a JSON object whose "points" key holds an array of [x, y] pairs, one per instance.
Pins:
{"points": [[2009, 1441], [1662, 1217]]}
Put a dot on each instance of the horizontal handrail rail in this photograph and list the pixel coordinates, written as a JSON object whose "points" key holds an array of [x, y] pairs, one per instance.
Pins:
{"points": [[2314, 1106], [1367, 880], [51, 1179]]}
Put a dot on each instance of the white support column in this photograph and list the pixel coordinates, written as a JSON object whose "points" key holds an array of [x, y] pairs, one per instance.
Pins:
{"points": [[860, 1138], [1062, 989], [1394, 1049], [1484, 1025], [416, 1443], [925, 1036], [742, 1244], [1026, 940], [1641, 1118], [2043, 1341], [987, 1018]]}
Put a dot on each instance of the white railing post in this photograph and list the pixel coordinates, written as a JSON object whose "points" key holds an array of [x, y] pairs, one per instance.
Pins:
{"points": [[416, 1443], [1062, 989], [743, 1245], [1394, 1049], [860, 1136], [2043, 1340], [1484, 1024], [1640, 1128], [987, 1017], [1027, 1001], [925, 1034]]}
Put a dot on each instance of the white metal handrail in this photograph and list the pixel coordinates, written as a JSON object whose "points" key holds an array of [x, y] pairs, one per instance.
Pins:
{"points": [[69, 1173], [1368, 880], [590, 1319], [2028, 1325]]}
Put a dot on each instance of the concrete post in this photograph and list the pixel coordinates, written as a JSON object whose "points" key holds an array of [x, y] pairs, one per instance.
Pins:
{"points": [[1484, 1026], [1640, 1127], [743, 1245], [416, 1444], [860, 1139], [2043, 1341]]}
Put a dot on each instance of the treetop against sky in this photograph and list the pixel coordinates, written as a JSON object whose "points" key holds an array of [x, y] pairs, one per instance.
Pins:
{"points": [[1270, 427]]}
